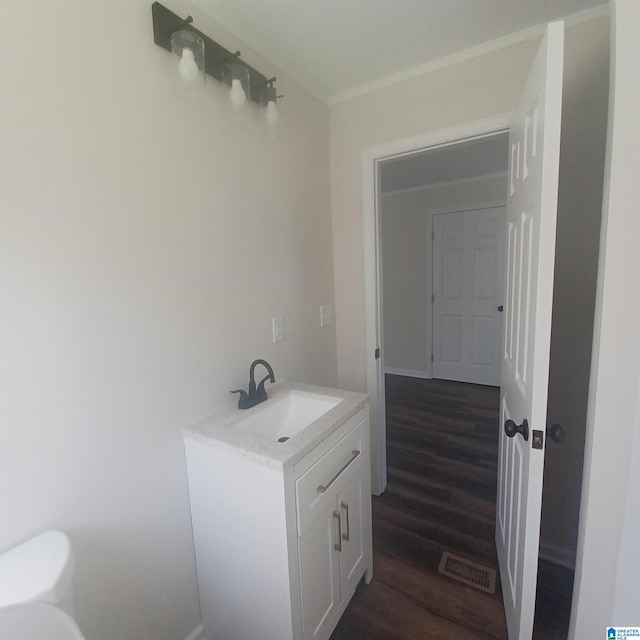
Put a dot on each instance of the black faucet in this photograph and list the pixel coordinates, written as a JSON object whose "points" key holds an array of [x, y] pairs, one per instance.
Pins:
{"points": [[257, 394]]}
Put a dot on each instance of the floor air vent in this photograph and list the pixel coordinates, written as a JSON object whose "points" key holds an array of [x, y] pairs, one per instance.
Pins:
{"points": [[475, 575]]}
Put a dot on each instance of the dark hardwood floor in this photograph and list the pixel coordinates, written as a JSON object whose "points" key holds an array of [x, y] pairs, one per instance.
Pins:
{"points": [[442, 443]]}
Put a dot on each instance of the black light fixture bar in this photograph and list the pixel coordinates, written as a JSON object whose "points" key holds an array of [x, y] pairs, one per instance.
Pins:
{"points": [[165, 23]]}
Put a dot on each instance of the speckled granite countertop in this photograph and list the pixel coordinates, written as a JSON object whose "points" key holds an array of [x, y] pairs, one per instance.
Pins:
{"points": [[218, 430]]}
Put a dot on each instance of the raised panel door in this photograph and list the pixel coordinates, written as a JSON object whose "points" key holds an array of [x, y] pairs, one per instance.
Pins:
{"points": [[534, 141], [468, 263]]}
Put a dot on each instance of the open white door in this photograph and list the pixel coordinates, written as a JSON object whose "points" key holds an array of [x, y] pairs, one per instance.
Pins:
{"points": [[531, 230]]}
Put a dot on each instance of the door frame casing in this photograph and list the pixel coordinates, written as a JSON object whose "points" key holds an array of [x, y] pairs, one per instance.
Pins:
{"points": [[371, 157]]}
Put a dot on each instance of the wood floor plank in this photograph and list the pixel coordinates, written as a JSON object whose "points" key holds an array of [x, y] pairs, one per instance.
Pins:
{"points": [[391, 614], [442, 441], [471, 608]]}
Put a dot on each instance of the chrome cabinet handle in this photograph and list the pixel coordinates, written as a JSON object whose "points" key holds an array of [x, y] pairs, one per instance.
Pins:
{"points": [[322, 488], [345, 506], [338, 545]]}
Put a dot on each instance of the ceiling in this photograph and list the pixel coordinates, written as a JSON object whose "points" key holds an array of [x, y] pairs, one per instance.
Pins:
{"points": [[471, 159], [336, 47]]}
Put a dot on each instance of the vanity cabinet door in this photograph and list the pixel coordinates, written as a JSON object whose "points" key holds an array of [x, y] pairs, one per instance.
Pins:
{"points": [[320, 575], [333, 508], [352, 556]]}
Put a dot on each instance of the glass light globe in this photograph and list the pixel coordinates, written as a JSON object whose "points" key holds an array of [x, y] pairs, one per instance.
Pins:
{"points": [[271, 115], [188, 67], [237, 94]]}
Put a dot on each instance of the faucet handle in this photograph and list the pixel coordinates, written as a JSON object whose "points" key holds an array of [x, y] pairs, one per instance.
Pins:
{"points": [[243, 400]]}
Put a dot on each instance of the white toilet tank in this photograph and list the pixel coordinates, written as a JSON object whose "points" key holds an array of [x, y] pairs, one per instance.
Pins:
{"points": [[39, 570]]}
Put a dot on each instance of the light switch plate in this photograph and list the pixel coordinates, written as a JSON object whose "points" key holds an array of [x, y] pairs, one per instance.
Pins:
{"points": [[326, 315], [278, 328]]}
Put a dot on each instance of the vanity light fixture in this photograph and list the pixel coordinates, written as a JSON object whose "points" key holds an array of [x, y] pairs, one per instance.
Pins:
{"points": [[199, 54]]}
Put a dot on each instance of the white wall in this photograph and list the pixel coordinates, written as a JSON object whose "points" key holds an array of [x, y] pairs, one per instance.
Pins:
{"points": [[147, 240], [403, 240], [405, 233], [606, 585]]}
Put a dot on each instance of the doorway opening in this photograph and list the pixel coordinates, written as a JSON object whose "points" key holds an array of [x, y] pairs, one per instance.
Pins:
{"points": [[468, 135], [390, 289], [441, 217]]}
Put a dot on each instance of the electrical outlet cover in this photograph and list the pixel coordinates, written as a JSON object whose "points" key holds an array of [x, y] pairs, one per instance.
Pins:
{"points": [[326, 315], [278, 328]]}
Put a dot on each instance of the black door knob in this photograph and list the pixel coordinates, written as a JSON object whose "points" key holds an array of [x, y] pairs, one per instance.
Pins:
{"points": [[501, 308], [511, 428], [556, 433]]}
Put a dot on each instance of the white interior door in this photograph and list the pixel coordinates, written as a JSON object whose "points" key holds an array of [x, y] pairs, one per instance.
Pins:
{"points": [[531, 223], [468, 281]]}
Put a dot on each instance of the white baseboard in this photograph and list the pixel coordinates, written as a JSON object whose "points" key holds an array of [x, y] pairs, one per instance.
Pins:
{"points": [[406, 372], [558, 555], [196, 634]]}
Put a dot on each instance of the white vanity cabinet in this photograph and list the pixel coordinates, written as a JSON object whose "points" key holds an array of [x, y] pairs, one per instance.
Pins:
{"points": [[281, 544]]}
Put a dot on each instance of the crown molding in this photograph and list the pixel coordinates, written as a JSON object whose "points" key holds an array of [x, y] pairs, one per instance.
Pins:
{"points": [[517, 37]]}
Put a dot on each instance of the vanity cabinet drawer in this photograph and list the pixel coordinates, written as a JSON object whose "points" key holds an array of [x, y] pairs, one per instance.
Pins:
{"points": [[318, 485]]}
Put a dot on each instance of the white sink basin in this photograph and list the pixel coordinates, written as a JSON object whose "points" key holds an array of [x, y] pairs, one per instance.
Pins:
{"points": [[287, 415]]}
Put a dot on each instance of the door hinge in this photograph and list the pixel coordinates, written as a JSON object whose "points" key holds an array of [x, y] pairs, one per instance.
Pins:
{"points": [[432, 357], [433, 236], [376, 353], [433, 298]]}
